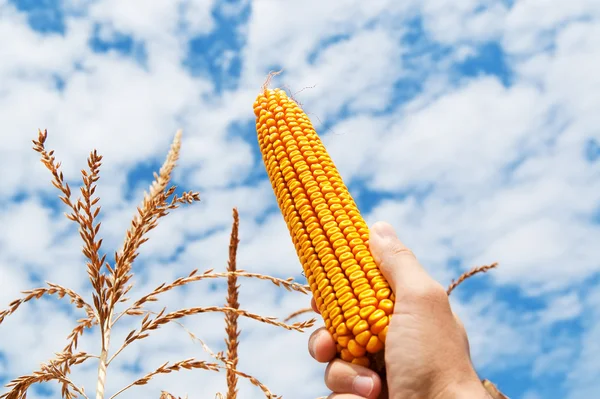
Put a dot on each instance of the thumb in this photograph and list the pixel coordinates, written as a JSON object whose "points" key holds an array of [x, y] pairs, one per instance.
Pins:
{"points": [[397, 263]]}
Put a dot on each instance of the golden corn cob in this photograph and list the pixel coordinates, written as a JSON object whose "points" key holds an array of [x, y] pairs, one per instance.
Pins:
{"points": [[328, 232]]}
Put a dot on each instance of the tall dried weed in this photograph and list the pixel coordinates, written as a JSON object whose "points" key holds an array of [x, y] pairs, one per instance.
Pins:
{"points": [[111, 282]]}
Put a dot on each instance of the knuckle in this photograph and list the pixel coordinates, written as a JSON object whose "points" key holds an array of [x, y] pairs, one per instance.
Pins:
{"points": [[338, 376], [399, 250]]}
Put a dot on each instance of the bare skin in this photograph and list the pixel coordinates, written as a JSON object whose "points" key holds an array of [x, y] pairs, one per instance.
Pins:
{"points": [[426, 352]]}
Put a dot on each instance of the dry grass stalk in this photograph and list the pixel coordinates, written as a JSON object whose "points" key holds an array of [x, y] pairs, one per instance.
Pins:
{"points": [[231, 318], [187, 364], [298, 313], [493, 390], [228, 365], [288, 284], [111, 283], [469, 274], [167, 395]]}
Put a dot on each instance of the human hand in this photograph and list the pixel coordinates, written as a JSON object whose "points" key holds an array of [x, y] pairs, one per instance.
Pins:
{"points": [[426, 349]]}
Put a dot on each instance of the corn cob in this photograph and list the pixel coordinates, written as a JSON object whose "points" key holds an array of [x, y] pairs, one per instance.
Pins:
{"points": [[329, 234]]}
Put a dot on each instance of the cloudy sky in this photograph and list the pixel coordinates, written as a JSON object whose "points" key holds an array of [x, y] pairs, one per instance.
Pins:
{"points": [[472, 126]]}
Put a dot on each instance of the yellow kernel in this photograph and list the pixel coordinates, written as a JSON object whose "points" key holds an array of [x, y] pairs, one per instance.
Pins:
{"points": [[339, 251], [380, 325], [355, 349], [353, 321], [372, 273], [342, 329], [356, 275], [327, 266], [332, 305], [361, 326], [327, 290], [342, 282], [374, 345], [366, 294], [353, 311], [361, 288], [346, 256], [327, 258], [315, 233], [343, 340], [328, 299], [341, 243], [362, 361], [324, 252], [336, 236], [348, 263], [345, 223], [335, 278], [346, 297], [355, 243], [349, 304], [317, 272], [334, 312], [346, 355], [383, 294], [319, 245], [368, 261], [336, 322], [319, 302], [333, 272], [352, 269], [378, 285], [370, 301], [342, 291], [366, 311], [386, 305], [322, 282], [363, 338], [358, 282], [376, 316], [352, 235]]}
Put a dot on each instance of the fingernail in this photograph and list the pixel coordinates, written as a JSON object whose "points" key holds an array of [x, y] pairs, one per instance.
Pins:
{"points": [[383, 230], [363, 385], [310, 346]]}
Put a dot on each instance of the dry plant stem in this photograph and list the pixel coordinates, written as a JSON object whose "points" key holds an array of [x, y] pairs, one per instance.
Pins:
{"points": [[47, 372], [187, 364], [167, 395], [228, 365], [154, 207], [102, 362], [161, 319], [135, 308], [298, 313], [231, 318], [84, 213], [468, 274], [493, 390], [54, 289]]}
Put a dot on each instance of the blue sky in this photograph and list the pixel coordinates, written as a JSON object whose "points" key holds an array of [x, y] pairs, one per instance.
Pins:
{"points": [[471, 127]]}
